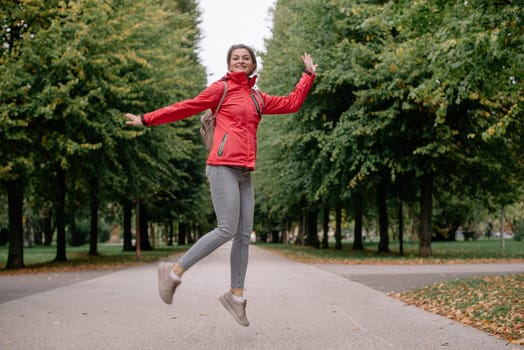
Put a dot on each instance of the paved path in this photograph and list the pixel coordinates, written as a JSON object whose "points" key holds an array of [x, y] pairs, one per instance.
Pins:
{"points": [[291, 306], [398, 278]]}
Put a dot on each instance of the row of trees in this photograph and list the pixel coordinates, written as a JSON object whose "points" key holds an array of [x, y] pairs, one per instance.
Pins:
{"points": [[69, 70], [415, 102]]}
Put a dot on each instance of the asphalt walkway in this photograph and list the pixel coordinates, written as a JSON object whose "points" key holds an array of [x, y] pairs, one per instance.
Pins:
{"points": [[290, 306]]}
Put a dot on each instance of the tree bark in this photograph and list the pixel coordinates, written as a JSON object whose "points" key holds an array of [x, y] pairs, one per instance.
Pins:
{"points": [[325, 227], [47, 225], [60, 214], [128, 217], [338, 226], [170, 235], [15, 200], [426, 204], [400, 228], [74, 240], [93, 207], [301, 228], [383, 245], [285, 230], [359, 214], [275, 236], [311, 229], [182, 233], [144, 223]]}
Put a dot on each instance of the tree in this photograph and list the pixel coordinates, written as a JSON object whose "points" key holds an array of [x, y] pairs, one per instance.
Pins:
{"points": [[405, 94], [70, 80], [19, 21], [305, 146], [443, 98]]}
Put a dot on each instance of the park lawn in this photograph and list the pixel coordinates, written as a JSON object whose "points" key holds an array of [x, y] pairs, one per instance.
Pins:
{"points": [[39, 259], [493, 304], [479, 251]]}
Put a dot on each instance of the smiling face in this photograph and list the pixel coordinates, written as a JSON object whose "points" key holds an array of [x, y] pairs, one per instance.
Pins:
{"points": [[241, 60]]}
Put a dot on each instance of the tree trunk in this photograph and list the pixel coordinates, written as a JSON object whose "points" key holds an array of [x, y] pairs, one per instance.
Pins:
{"points": [[312, 229], [426, 204], [144, 223], [28, 232], [4, 236], [182, 233], [74, 240], [400, 228], [93, 207], [338, 226], [359, 214], [170, 235], [502, 239], [192, 237], [275, 236], [383, 245], [128, 217], [301, 228], [325, 227], [60, 214], [196, 228], [15, 200], [38, 234], [286, 227], [47, 225]]}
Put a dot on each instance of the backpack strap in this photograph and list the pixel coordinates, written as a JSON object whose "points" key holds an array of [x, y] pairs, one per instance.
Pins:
{"points": [[259, 105], [221, 98]]}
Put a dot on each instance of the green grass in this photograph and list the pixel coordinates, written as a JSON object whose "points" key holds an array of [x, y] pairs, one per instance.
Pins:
{"points": [[40, 258], [443, 252]]}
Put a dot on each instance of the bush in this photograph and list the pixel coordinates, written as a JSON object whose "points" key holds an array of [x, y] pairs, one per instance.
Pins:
{"points": [[83, 232], [518, 227]]}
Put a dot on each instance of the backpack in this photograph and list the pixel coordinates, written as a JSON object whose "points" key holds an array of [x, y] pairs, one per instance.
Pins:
{"points": [[207, 122]]}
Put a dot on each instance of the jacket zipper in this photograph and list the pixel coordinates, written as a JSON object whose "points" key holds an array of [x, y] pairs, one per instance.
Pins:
{"points": [[222, 145]]}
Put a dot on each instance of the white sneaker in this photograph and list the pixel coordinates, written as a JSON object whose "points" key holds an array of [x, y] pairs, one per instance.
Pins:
{"points": [[236, 309], [166, 285]]}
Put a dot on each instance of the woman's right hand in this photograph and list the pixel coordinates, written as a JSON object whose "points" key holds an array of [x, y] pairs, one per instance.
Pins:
{"points": [[133, 120]]}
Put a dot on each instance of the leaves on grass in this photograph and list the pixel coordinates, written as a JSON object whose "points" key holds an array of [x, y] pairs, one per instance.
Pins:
{"points": [[40, 259], [491, 303]]}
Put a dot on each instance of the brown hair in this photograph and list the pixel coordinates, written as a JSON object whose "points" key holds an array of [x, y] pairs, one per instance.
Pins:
{"points": [[242, 46]]}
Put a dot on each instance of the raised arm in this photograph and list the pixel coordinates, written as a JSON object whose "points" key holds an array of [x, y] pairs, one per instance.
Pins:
{"points": [[294, 100]]}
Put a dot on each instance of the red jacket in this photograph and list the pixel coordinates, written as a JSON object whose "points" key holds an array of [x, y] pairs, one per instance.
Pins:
{"points": [[237, 120]]}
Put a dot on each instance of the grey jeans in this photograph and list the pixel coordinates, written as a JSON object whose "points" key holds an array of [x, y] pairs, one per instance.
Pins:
{"points": [[232, 193]]}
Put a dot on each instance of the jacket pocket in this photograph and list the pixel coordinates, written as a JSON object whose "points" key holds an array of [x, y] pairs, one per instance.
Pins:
{"points": [[222, 145]]}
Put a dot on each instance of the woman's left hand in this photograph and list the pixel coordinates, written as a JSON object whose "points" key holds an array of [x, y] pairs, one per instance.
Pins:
{"points": [[308, 62]]}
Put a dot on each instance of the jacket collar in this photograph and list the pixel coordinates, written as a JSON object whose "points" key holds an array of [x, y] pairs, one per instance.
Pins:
{"points": [[241, 78]]}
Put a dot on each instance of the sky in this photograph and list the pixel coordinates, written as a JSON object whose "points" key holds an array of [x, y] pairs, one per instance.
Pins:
{"points": [[229, 22]]}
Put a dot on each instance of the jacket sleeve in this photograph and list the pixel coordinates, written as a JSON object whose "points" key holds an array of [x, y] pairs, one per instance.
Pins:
{"points": [[208, 98], [292, 102]]}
